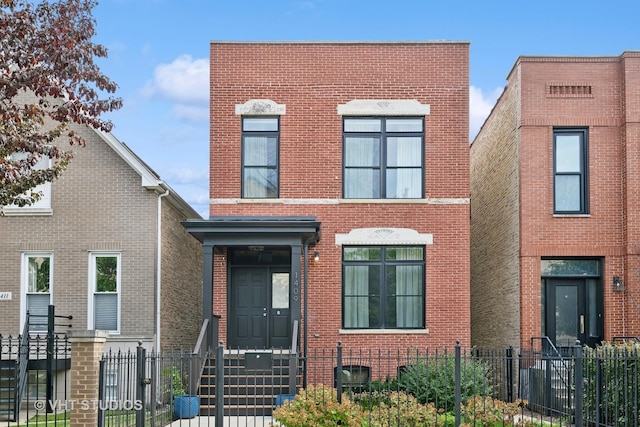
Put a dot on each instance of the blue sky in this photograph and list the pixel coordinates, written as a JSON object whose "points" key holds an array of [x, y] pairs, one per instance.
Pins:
{"points": [[159, 52]]}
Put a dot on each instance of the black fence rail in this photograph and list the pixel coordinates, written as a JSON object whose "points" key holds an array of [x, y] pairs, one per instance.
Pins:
{"points": [[34, 370], [148, 388], [37, 346], [435, 382], [377, 387]]}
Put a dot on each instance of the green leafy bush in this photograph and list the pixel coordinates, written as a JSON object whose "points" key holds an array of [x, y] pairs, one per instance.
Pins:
{"points": [[618, 368], [433, 380], [402, 409], [319, 406], [486, 411], [375, 393]]}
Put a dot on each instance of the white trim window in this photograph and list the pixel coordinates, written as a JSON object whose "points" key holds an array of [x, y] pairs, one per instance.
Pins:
{"points": [[104, 291], [36, 285], [42, 206], [111, 385]]}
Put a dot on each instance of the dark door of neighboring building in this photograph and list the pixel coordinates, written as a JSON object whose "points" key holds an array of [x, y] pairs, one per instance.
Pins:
{"points": [[259, 312], [573, 312]]}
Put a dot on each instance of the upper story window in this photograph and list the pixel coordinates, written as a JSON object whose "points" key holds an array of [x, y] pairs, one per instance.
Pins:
{"points": [[571, 190], [104, 291], [260, 141], [43, 205], [383, 287], [383, 157], [37, 277]]}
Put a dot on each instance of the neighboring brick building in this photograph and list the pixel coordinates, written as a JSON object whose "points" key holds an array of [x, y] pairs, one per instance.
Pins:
{"points": [[105, 245], [357, 153], [555, 206]]}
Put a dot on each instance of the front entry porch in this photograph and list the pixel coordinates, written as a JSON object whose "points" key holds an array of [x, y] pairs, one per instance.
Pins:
{"points": [[260, 279]]}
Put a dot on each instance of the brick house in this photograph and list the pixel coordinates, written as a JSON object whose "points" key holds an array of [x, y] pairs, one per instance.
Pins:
{"points": [[339, 195], [555, 204], [106, 246]]}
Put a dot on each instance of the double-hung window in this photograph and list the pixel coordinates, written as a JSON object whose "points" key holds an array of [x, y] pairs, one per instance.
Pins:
{"points": [[105, 289], [383, 157], [571, 195], [260, 140], [37, 277], [383, 287]]}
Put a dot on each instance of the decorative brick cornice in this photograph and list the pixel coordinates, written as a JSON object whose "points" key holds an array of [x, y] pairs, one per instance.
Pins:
{"points": [[261, 107], [384, 236], [384, 107]]}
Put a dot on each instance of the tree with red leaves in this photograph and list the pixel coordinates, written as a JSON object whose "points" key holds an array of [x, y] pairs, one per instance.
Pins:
{"points": [[48, 81]]}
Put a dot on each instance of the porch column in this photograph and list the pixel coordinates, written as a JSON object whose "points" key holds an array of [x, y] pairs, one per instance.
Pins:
{"points": [[87, 348], [296, 280], [207, 290]]}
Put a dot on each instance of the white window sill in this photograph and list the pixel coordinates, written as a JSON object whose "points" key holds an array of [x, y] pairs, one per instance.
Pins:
{"points": [[572, 215], [383, 331], [27, 211]]}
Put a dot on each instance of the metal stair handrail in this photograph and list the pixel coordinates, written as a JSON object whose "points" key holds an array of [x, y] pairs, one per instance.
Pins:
{"points": [[200, 352], [22, 371], [557, 355]]}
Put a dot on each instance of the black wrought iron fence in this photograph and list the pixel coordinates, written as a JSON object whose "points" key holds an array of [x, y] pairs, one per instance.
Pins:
{"points": [[380, 387], [34, 379]]}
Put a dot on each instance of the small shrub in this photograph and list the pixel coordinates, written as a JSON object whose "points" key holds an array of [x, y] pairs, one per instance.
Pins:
{"points": [[433, 380], [483, 411], [403, 409], [318, 406], [618, 368], [375, 393]]}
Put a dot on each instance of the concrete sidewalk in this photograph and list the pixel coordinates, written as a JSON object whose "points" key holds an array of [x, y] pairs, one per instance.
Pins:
{"points": [[228, 421]]}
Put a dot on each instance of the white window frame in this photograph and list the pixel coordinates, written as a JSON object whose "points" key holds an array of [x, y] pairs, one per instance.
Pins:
{"points": [[42, 206], [92, 289], [111, 389], [24, 280]]}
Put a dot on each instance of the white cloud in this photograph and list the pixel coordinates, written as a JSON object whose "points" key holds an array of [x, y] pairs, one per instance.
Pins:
{"points": [[191, 113], [172, 134], [187, 176], [480, 106], [185, 81]]}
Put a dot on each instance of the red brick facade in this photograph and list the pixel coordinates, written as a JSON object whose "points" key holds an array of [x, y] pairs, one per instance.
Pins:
{"points": [[312, 80], [513, 224]]}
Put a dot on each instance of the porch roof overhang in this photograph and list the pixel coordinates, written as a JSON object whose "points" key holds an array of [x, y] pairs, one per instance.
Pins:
{"points": [[254, 230]]}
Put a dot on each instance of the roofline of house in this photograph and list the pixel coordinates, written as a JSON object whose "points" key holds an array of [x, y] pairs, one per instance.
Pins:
{"points": [[571, 58], [553, 58], [341, 42], [149, 178]]}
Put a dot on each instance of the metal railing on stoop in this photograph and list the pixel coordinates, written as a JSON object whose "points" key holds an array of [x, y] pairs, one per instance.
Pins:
{"points": [[201, 352], [550, 352], [21, 369]]}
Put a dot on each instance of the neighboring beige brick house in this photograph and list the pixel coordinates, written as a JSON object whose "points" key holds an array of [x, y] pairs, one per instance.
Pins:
{"points": [[555, 202], [106, 246]]}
